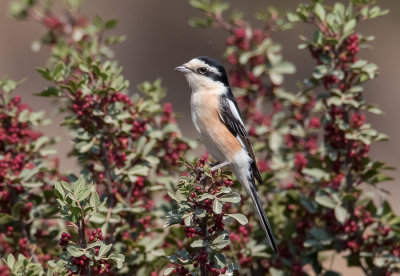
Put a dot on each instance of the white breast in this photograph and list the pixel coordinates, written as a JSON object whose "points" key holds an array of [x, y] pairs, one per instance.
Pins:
{"points": [[220, 143]]}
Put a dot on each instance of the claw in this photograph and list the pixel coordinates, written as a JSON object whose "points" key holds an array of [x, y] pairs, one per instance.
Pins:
{"points": [[220, 165]]}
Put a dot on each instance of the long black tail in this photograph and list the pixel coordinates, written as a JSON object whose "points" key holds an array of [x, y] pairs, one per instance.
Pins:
{"points": [[262, 216]]}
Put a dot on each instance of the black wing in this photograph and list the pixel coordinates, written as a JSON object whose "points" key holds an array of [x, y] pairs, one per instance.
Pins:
{"points": [[230, 116]]}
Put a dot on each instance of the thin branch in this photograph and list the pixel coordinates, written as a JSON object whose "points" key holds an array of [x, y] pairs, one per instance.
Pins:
{"points": [[106, 165], [25, 231], [71, 224], [222, 22], [203, 226], [111, 198], [332, 260]]}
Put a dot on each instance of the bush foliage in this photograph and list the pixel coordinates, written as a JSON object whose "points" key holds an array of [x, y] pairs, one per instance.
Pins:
{"points": [[144, 206]]}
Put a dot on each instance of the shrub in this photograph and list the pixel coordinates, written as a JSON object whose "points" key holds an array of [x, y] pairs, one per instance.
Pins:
{"points": [[312, 149]]}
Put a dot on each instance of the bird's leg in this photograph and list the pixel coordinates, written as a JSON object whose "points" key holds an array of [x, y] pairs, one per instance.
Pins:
{"points": [[214, 164], [218, 166]]}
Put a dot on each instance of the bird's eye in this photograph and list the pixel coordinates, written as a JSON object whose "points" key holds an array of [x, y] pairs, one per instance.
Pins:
{"points": [[202, 70]]}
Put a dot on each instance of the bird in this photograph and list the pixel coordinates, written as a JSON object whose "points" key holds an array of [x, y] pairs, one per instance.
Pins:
{"points": [[216, 117]]}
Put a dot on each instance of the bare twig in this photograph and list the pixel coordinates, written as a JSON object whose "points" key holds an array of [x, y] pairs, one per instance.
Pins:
{"points": [[203, 226], [106, 164], [222, 23]]}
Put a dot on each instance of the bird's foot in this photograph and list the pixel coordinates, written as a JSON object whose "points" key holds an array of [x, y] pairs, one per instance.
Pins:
{"points": [[214, 164], [218, 166]]}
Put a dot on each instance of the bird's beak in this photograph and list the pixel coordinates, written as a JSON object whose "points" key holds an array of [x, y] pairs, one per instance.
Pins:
{"points": [[182, 69]]}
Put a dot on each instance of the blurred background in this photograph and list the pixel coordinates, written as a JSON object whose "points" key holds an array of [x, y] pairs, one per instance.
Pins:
{"points": [[159, 38]]}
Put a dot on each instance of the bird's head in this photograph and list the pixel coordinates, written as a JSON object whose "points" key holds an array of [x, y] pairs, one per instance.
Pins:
{"points": [[204, 73]]}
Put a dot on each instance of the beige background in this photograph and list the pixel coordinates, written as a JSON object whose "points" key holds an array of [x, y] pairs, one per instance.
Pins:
{"points": [[159, 38]]}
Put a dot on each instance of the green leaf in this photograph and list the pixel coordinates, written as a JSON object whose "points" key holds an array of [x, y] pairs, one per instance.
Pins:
{"points": [[173, 258], [94, 200], [110, 24], [169, 270], [104, 249], [318, 174], [259, 70], [275, 141], [139, 170], [217, 206], [141, 143], [49, 92], [45, 73], [292, 17], [242, 219], [5, 218], [172, 195], [359, 64], [24, 116], [325, 201], [90, 253], [148, 147], [16, 209], [83, 194], [309, 204], [221, 241], [320, 71], [379, 261], [232, 198], [84, 146], [334, 100], [75, 251], [341, 214], [370, 69], [189, 220], [93, 245], [10, 261], [276, 272], [219, 7], [339, 8], [184, 256], [349, 27], [59, 190], [374, 110], [284, 67], [320, 11], [98, 218], [219, 260], [78, 186], [118, 259], [66, 186], [205, 196], [320, 234], [318, 38], [198, 243]]}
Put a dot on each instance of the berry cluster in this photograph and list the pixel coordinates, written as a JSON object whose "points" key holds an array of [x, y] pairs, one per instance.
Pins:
{"points": [[20, 153], [200, 259], [118, 143], [210, 226], [16, 138], [102, 267], [96, 235], [352, 47], [243, 40], [82, 262], [65, 239]]}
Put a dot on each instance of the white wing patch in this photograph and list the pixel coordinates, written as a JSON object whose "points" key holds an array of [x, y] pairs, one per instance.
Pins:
{"points": [[234, 111], [220, 116], [240, 141]]}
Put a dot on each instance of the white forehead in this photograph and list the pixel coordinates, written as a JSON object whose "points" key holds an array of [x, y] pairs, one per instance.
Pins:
{"points": [[197, 63]]}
